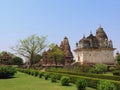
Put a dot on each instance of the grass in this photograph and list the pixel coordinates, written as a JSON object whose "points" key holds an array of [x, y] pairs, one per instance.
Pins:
{"points": [[109, 73], [26, 82]]}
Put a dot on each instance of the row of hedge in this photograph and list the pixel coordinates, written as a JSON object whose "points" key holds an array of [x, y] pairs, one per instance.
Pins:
{"points": [[100, 76], [64, 79], [92, 82]]}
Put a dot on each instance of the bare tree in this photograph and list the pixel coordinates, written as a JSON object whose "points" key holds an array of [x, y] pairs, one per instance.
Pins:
{"points": [[31, 46]]}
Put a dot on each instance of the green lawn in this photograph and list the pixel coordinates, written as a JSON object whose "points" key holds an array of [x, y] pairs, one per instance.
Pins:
{"points": [[109, 74], [26, 82]]}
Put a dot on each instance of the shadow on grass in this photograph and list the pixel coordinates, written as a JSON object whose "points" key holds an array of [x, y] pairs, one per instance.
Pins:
{"points": [[7, 77], [70, 85]]}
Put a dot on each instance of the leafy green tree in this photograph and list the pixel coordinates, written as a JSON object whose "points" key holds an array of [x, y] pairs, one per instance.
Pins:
{"points": [[31, 46], [118, 59], [17, 61], [56, 54]]}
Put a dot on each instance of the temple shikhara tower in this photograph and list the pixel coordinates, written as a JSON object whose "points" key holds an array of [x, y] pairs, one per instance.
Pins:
{"points": [[95, 49], [67, 59], [65, 46]]}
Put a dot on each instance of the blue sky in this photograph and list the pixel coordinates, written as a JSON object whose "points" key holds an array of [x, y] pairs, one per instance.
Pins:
{"points": [[56, 19]]}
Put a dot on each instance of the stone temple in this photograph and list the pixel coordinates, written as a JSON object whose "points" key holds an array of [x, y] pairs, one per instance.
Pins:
{"points": [[95, 49], [68, 56]]}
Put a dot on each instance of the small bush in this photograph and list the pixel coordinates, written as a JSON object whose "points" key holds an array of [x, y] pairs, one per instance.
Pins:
{"points": [[106, 85], [116, 73], [65, 81], [46, 75], [82, 68], [36, 73], [7, 71], [32, 72], [112, 69], [41, 74], [53, 78], [81, 84], [98, 69]]}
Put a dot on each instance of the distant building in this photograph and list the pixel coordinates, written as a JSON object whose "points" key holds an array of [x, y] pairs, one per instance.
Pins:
{"points": [[68, 56], [95, 49], [5, 58]]}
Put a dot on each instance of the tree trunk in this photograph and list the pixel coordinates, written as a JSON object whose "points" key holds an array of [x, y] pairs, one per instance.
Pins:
{"points": [[31, 61]]}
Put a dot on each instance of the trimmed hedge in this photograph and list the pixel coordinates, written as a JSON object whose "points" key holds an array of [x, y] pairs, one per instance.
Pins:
{"points": [[7, 71], [91, 82], [116, 78]]}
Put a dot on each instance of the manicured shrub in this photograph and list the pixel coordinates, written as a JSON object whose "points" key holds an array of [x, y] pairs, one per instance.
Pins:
{"points": [[81, 68], [41, 74], [65, 81], [112, 69], [81, 84], [46, 75], [91, 82], [7, 71], [100, 76], [53, 78], [58, 76], [98, 69], [116, 73], [27, 71], [106, 85], [36, 73], [32, 72]]}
